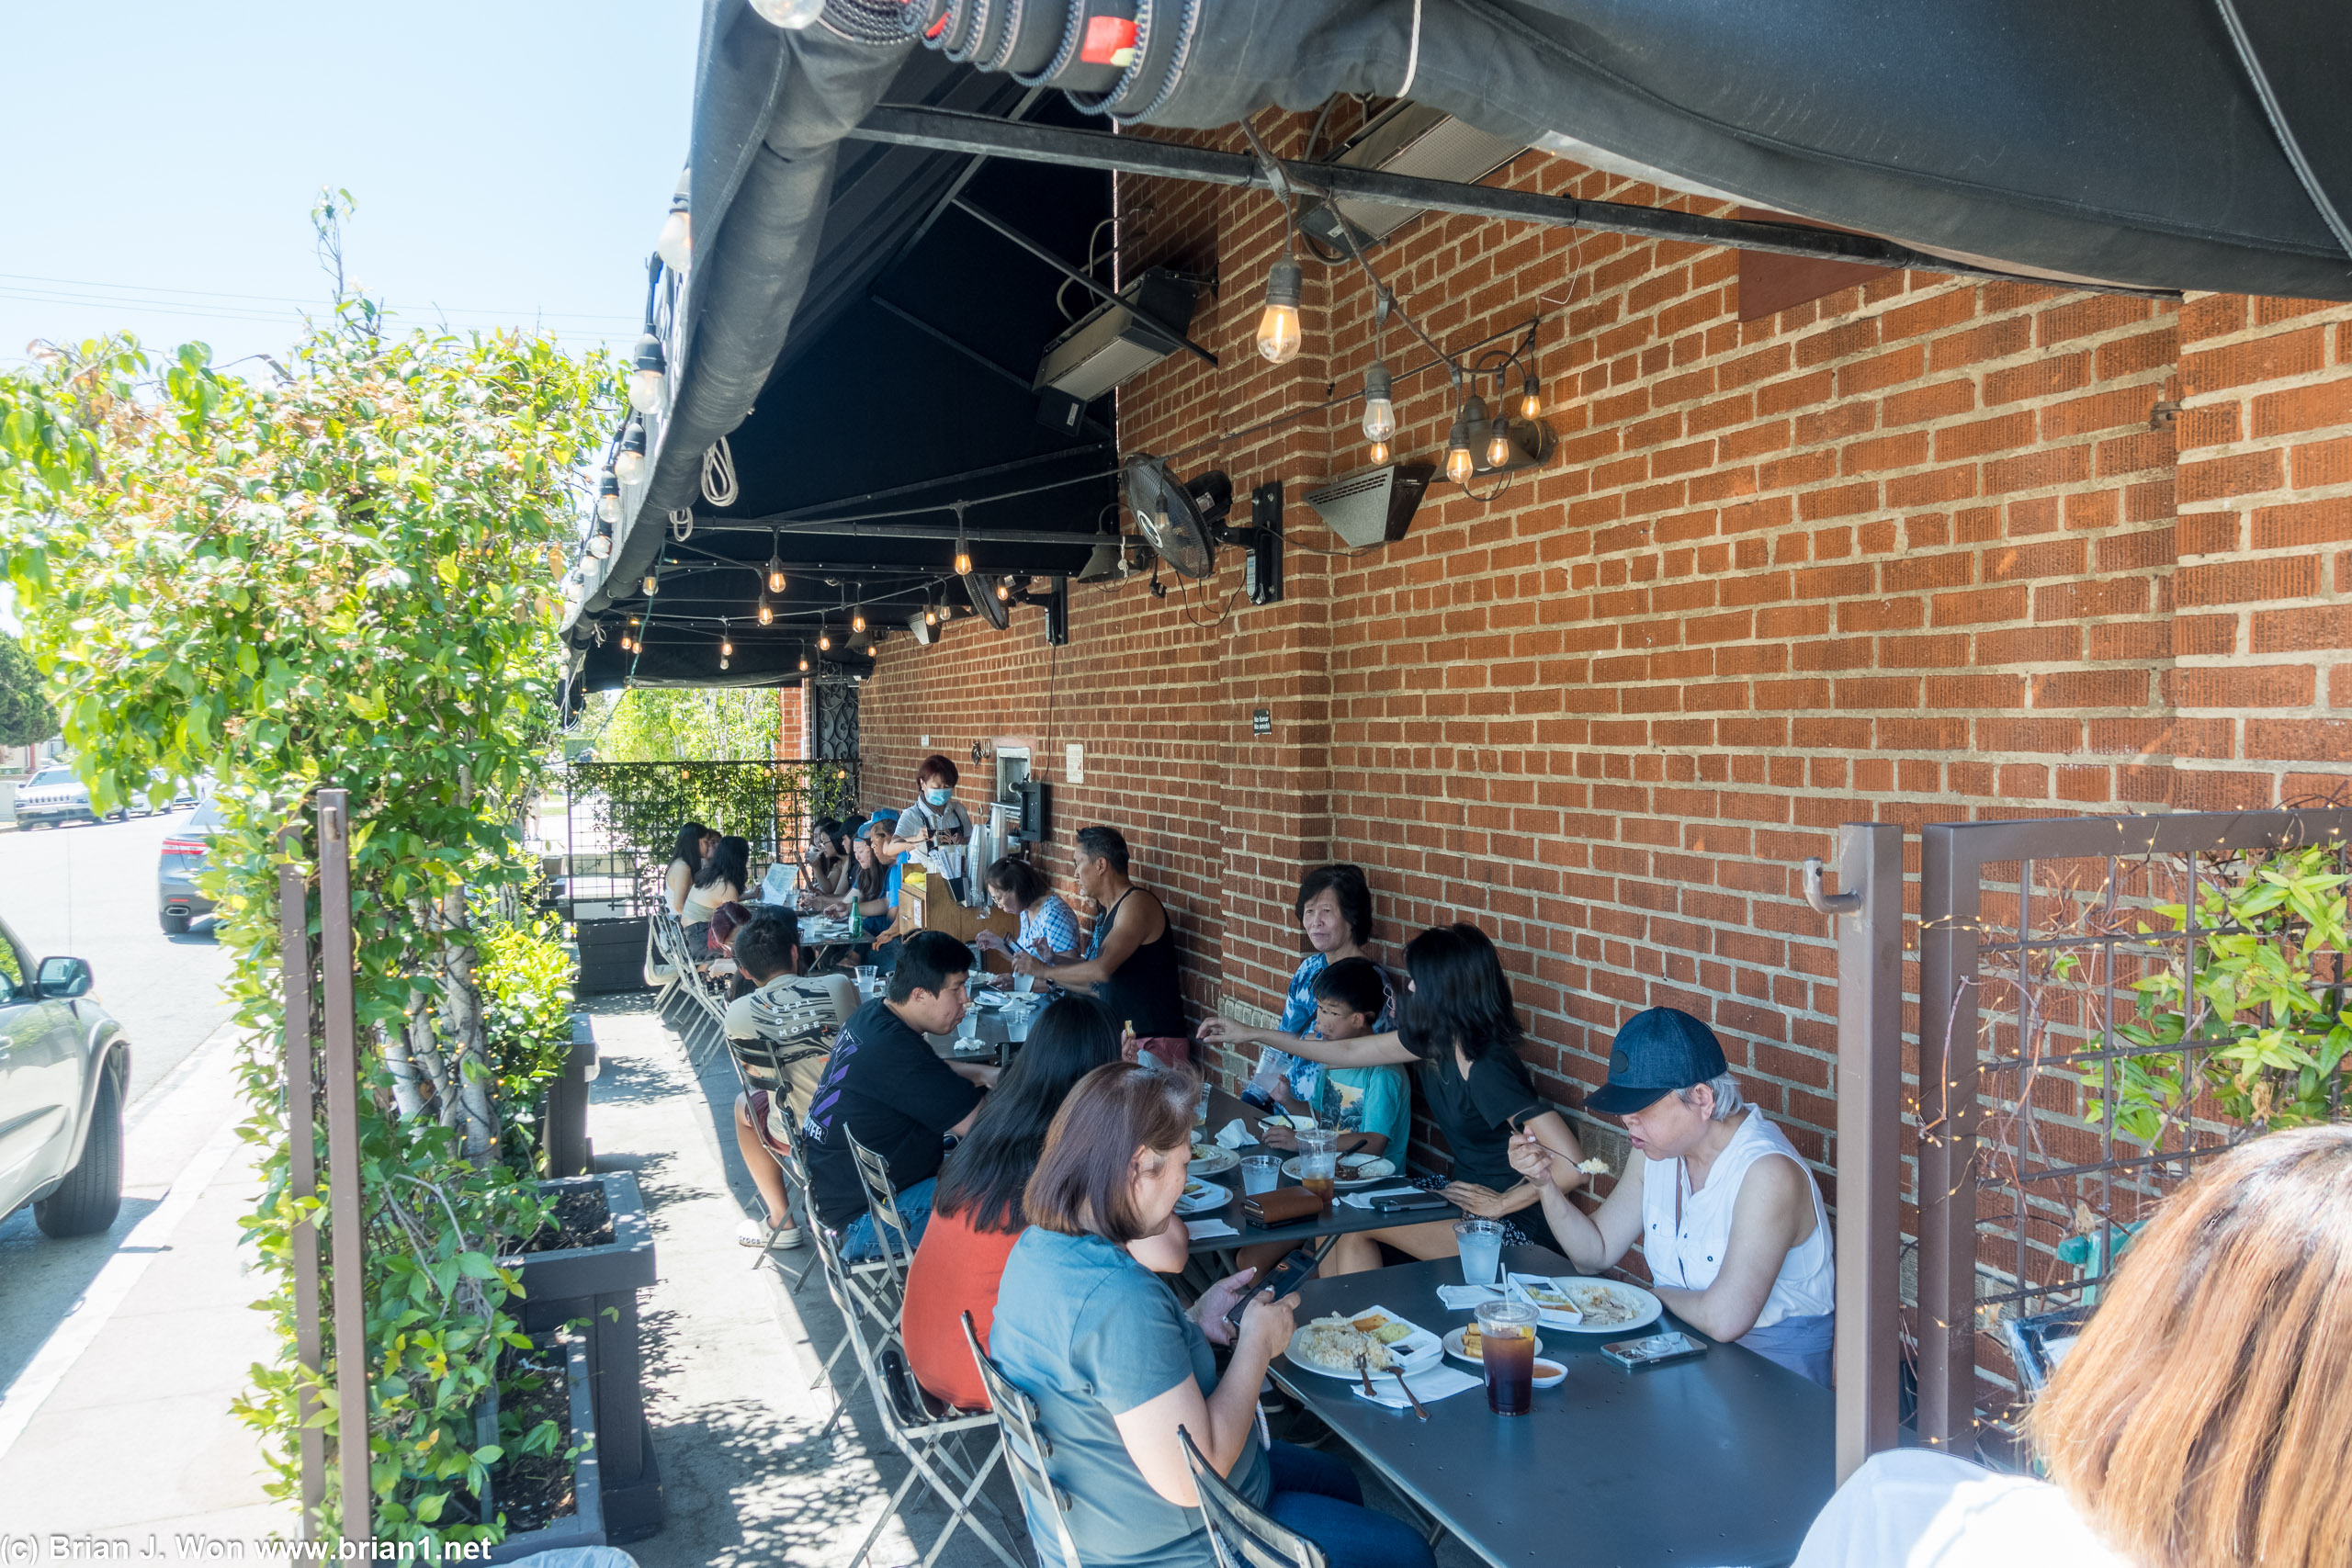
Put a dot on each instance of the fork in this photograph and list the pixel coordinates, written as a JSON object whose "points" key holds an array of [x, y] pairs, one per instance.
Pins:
{"points": [[1364, 1375], [1408, 1392]]}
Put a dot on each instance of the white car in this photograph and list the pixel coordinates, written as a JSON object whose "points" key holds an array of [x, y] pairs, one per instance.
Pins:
{"points": [[56, 794], [64, 1066]]}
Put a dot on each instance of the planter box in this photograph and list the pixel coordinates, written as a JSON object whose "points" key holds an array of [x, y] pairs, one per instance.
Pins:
{"points": [[585, 1525], [600, 1284], [564, 1118], [612, 955]]}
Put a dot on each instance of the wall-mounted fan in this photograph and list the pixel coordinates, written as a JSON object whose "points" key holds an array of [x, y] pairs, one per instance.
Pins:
{"points": [[982, 594], [1184, 522]]}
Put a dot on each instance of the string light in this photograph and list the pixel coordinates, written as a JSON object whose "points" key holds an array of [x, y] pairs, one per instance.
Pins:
{"points": [[1379, 452], [774, 566], [1531, 398], [599, 543], [767, 611], [804, 657], [930, 617], [857, 617], [825, 641], [1379, 408], [608, 499], [1499, 446], [791, 14], [1457, 444], [676, 244], [628, 467], [652, 586], [648, 364], [963, 550], [1278, 332]]}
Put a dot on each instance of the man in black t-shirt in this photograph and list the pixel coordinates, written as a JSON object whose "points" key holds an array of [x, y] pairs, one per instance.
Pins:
{"points": [[890, 1088]]}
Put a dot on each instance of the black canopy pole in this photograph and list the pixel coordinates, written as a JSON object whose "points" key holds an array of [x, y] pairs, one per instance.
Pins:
{"points": [[945, 131], [1103, 290]]}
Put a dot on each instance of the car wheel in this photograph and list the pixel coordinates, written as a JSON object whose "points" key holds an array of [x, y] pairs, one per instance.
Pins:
{"points": [[91, 1195], [176, 925]]}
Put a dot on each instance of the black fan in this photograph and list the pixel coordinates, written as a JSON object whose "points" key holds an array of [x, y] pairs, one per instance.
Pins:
{"points": [[1182, 521], [984, 600]]}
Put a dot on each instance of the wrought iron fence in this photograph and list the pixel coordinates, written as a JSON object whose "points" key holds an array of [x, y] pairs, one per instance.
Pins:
{"points": [[621, 819], [2052, 1103]]}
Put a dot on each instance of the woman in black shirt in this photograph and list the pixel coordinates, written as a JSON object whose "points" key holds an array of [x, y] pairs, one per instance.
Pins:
{"points": [[1458, 1025]]}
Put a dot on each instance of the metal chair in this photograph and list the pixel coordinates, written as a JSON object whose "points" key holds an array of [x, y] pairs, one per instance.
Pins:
{"points": [[890, 1231], [1243, 1535], [1026, 1451]]}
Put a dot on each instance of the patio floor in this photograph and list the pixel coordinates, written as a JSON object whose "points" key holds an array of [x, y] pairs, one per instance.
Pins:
{"points": [[750, 1473]]}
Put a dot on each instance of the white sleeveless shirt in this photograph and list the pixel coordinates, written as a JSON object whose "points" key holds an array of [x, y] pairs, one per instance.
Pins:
{"points": [[1688, 1256]]}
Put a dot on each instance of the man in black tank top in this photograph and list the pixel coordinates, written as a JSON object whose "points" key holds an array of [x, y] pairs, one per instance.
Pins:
{"points": [[1130, 963]]}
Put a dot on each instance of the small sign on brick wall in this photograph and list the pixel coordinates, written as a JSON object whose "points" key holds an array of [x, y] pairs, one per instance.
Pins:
{"points": [[1261, 722], [1074, 763]]}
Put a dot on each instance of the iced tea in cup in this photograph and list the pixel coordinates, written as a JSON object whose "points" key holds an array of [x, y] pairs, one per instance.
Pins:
{"points": [[1319, 1161], [1481, 1245], [1506, 1347]]}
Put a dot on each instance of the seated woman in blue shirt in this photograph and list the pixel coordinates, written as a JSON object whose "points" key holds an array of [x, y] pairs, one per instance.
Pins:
{"points": [[1117, 1365]]}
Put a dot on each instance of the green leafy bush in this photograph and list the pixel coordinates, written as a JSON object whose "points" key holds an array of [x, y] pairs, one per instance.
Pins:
{"points": [[526, 973]]}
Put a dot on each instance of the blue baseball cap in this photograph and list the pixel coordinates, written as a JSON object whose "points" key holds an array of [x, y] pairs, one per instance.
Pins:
{"points": [[1657, 1052]]}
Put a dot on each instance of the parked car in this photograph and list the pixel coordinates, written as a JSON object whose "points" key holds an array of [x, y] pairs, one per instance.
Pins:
{"points": [[64, 1066], [56, 794], [181, 857]]}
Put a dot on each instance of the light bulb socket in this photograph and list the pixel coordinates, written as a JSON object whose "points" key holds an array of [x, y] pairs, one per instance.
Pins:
{"points": [[599, 543], [1286, 284], [648, 355], [633, 435], [1377, 383]]}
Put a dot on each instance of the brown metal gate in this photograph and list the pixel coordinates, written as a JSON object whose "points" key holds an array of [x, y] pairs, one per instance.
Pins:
{"points": [[2020, 1187]]}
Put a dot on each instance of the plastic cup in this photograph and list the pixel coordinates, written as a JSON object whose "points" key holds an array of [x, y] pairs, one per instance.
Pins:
{"points": [[1319, 1161], [1024, 984], [1506, 1347], [1481, 1245], [1260, 1173], [866, 973], [1200, 1111]]}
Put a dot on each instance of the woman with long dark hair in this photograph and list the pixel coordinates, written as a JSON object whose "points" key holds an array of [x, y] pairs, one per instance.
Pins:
{"points": [[694, 842], [977, 1216], [826, 863], [720, 881], [1458, 1023]]}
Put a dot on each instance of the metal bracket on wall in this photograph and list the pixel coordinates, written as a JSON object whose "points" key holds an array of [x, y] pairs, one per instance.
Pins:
{"points": [[1262, 574]]}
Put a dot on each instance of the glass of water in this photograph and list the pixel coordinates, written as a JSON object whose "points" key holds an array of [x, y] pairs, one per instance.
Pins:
{"points": [[1481, 1242], [1260, 1173]]}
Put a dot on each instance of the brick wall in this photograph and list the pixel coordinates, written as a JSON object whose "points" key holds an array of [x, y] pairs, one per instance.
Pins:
{"points": [[1918, 552]]}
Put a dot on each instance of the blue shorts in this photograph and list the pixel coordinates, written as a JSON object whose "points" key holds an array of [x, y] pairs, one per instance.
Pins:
{"points": [[859, 1244]]}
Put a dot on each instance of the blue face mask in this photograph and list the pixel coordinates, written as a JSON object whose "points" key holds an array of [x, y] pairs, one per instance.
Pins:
{"points": [[936, 797]]}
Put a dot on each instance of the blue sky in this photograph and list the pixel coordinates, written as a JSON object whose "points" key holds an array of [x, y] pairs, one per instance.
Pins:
{"points": [[512, 163]]}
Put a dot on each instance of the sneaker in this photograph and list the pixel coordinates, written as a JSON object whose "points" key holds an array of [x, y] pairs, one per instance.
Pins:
{"points": [[755, 1232]]}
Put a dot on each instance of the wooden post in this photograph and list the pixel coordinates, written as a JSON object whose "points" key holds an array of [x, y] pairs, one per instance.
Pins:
{"points": [[342, 1065]]}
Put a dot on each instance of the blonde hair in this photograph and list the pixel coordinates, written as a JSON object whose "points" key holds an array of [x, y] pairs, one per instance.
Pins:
{"points": [[2202, 1420]]}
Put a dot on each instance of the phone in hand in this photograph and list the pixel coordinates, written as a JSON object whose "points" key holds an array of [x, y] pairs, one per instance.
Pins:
{"points": [[1284, 1278]]}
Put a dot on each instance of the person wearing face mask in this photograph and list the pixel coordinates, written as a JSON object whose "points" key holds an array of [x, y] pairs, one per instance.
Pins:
{"points": [[936, 824]]}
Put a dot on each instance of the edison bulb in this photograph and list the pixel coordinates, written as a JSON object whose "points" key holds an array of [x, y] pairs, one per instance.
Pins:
{"points": [[600, 544], [931, 617], [803, 661], [767, 615], [1531, 403], [644, 388], [857, 622], [1498, 448], [629, 466], [726, 650], [1379, 452], [825, 640], [609, 507], [1003, 593], [1457, 465], [1379, 405], [675, 243], [963, 563], [1278, 332], [775, 578], [652, 586]]}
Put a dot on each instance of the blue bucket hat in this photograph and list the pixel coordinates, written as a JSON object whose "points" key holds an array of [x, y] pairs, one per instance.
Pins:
{"points": [[1657, 1052]]}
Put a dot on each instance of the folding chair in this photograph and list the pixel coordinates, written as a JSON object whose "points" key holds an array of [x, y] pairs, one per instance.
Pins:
{"points": [[882, 1201], [930, 1435], [1244, 1535], [1026, 1451]]}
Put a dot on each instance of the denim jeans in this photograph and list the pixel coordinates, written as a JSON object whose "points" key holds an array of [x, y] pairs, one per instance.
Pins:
{"points": [[859, 1243], [1317, 1497]]}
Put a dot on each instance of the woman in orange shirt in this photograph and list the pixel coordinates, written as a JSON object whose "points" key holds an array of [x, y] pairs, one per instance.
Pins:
{"points": [[977, 1216]]}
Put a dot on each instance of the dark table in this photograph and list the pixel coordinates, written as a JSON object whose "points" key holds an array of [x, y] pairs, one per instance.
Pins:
{"points": [[1719, 1461], [1339, 1219]]}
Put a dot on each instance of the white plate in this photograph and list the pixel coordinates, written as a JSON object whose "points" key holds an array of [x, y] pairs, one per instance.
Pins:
{"points": [[1453, 1346], [1215, 1160], [990, 1000], [1203, 1197], [1369, 1172], [1646, 1308], [1416, 1350]]}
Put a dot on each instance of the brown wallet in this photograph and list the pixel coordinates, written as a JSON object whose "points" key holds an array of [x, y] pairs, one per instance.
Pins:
{"points": [[1283, 1206]]}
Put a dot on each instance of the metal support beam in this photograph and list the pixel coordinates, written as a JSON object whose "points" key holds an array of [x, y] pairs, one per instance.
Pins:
{"points": [[916, 487], [945, 130], [342, 1063], [1868, 913], [1950, 912], [1090, 426], [301, 1035], [1101, 290]]}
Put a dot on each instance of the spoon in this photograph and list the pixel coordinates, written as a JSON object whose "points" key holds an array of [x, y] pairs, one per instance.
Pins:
{"points": [[1408, 1392]]}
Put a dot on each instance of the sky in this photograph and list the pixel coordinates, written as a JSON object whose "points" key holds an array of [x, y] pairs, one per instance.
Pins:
{"points": [[511, 164]]}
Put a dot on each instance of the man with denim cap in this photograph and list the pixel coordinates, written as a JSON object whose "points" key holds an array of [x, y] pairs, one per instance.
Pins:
{"points": [[1729, 1218]]}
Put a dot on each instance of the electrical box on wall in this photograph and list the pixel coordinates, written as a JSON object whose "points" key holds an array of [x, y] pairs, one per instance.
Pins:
{"points": [[1031, 794], [1261, 575]]}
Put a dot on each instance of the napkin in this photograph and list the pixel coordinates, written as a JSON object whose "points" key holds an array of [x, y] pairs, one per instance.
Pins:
{"points": [[1430, 1383], [1234, 1135], [1364, 1200], [1462, 1298], [1208, 1229]]}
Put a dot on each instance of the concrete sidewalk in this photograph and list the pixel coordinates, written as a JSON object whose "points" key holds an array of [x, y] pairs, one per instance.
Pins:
{"points": [[118, 1427]]}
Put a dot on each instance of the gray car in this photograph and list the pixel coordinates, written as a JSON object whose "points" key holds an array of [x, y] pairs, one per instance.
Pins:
{"points": [[64, 1067], [179, 858]]}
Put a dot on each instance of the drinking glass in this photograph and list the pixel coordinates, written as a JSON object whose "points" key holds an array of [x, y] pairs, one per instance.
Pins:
{"points": [[1506, 1347], [1200, 1111], [866, 973], [1024, 984], [1481, 1244], [1260, 1173], [1319, 1161]]}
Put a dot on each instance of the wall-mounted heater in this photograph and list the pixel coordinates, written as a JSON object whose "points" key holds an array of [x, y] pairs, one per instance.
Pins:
{"points": [[1373, 506], [1408, 139], [1112, 343]]}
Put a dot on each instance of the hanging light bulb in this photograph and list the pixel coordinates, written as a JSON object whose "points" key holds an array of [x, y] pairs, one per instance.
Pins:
{"points": [[652, 586], [726, 647], [648, 364], [804, 658], [870, 651], [858, 619], [824, 641], [1379, 408], [775, 568], [1003, 593], [608, 499], [1457, 445], [793, 15], [767, 611], [1278, 334], [599, 543], [1531, 398], [629, 466], [1499, 446], [963, 550], [930, 617], [675, 245], [1379, 452]]}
